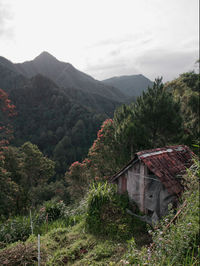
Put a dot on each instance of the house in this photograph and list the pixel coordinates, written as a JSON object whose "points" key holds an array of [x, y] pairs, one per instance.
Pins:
{"points": [[152, 178]]}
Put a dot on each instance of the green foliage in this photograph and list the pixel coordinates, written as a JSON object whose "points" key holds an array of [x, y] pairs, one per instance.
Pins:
{"points": [[124, 123], [17, 228], [104, 153], [153, 120], [56, 191], [37, 168], [8, 193], [106, 213], [23, 171], [61, 122], [186, 90], [52, 214], [77, 180], [52, 211]]}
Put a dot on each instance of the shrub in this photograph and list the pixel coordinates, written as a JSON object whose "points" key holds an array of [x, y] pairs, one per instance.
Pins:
{"points": [[13, 230], [52, 211], [51, 215], [106, 212]]}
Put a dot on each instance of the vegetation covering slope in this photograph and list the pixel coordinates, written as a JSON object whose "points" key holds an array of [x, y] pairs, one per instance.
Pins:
{"points": [[99, 228], [62, 121], [69, 238]]}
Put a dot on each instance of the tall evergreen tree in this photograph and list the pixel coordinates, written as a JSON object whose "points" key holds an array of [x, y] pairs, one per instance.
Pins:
{"points": [[153, 120]]}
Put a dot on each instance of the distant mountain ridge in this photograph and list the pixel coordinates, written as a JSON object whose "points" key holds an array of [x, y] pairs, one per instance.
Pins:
{"points": [[131, 86], [67, 76]]}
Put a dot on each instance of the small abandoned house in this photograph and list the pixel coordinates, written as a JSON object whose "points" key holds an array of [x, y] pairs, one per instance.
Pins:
{"points": [[152, 178]]}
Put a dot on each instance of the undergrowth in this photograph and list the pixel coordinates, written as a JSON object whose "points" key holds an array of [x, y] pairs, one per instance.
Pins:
{"points": [[106, 213], [98, 231]]}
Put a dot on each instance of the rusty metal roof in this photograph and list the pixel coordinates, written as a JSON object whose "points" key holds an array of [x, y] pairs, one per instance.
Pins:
{"points": [[166, 163]]}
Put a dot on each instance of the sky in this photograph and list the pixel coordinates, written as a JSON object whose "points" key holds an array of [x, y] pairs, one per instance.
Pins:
{"points": [[104, 38]]}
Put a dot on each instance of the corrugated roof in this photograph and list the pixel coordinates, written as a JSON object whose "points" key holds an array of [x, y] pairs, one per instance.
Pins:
{"points": [[166, 163]]}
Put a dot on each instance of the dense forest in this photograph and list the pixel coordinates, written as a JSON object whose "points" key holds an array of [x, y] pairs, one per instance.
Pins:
{"points": [[58, 146]]}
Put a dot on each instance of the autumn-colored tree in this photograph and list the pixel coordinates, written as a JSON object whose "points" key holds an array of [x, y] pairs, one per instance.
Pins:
{"points": [[7, 110], [76, 180], [104, 153], [103, 160], [8, 188]]}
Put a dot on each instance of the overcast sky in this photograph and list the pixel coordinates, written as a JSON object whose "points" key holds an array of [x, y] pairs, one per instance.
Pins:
{"points": [[104, 38]]}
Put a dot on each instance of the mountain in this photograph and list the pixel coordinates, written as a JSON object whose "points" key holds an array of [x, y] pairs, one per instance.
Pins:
{"points": [[67, 76], [56, 121], [63, 121], [131, 86], [10, 78]]}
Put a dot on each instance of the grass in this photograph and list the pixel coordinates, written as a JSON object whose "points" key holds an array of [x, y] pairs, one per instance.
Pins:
{"points": [[73, 246]]}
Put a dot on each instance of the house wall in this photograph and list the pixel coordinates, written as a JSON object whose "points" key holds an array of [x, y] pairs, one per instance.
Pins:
{"points": [[135, 183], [146, 190]]}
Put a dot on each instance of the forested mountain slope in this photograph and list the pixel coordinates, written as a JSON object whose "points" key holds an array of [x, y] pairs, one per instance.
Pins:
{"points": [[62, 121], [58, 123]]}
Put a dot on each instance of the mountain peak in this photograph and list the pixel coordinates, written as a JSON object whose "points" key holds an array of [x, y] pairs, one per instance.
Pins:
{"points": [[45, 56]]}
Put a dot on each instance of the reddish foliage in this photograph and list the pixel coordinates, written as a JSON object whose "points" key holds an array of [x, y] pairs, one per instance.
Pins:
{"points": [[7, 110], [5, 104]]}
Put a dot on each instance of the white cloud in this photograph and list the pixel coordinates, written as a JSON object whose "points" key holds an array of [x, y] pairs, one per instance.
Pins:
{"points": [[6, 31]]}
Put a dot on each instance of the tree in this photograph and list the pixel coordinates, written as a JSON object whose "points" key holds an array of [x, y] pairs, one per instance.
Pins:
{"points": [[7, 110], [104, 153], [153, 120], [37, 168], [8, 192], [123, 122], [76, 180], [186, 90], [8, 188], [157, 116]]}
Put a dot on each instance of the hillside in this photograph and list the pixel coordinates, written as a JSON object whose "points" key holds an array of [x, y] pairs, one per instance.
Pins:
{"points": [[131, 86], [9, 76], [67, 239], [62, 126]]}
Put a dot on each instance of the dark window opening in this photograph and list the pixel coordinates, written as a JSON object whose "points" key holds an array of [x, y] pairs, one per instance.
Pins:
{"points": [[150, 213], [149, 172]]}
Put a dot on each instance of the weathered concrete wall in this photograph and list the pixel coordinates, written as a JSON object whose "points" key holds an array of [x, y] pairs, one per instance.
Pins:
{"points": [[146, 191], [134, 183]]}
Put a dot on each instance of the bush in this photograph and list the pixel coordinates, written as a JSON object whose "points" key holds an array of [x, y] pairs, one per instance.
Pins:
{"points": [[52, 211], [106, 212], [13, 230], [52, 214]]}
